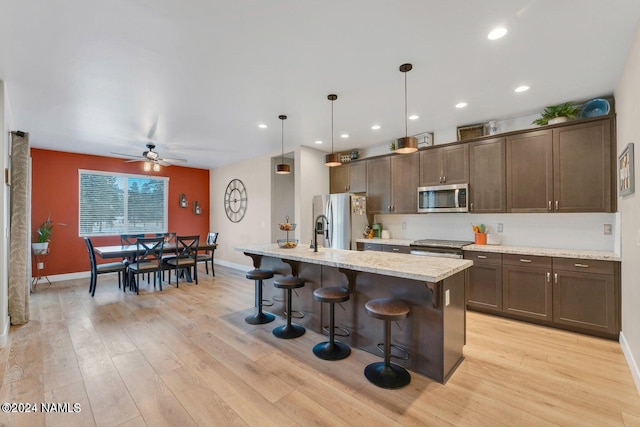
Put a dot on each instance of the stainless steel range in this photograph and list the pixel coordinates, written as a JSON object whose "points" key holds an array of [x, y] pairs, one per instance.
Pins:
{"points": [[439, 248]]}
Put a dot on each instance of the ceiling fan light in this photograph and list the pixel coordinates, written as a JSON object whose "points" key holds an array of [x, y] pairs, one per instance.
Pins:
{"points": [[147, 166], [332, 160], [406, 145], [283, 169], [156, 167]]}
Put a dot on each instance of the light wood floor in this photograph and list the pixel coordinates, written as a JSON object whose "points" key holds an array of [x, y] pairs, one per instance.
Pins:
{"points": [[185, 357]]}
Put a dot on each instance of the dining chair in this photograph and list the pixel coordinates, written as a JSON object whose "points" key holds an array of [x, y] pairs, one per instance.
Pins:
{"points": [[112, 267], [169, 239], [148, 260], [186, 257], [207, 256]]}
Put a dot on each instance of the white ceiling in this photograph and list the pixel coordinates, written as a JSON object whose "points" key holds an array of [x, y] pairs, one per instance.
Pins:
{"points": [[197, 76]]}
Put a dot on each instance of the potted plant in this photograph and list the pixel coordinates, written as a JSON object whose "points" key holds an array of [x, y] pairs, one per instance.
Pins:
{"points": [[557, 114], [43, 236]]}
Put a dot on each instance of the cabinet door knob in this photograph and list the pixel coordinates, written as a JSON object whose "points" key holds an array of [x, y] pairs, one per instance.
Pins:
{"points": [[525, 260], [548, 277], [557, 205], [549, 205], [581, 265], [444, 178], [482, 256], [471, 207], [555, 278], [395, 249]]}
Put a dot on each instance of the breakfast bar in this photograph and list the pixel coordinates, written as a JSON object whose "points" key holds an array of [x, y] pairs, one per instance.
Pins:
{"points": [[434, 333]]}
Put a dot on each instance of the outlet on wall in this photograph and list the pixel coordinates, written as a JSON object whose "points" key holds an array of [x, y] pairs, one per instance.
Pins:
{"points": [[500, 227], [404, 225], [608, 229]]}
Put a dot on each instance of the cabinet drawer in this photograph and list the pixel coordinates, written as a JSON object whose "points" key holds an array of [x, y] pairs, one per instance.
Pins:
{"points": [[527, 260], [396, 248], [584, 265], [372, 247], [483, 257]]}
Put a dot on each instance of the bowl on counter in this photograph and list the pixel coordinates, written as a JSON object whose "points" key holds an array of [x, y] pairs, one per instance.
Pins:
{"points": [[285, 226], [287, 243]]}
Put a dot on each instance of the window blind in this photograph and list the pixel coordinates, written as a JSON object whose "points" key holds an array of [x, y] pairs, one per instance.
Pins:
{"points": [[114, 204]]}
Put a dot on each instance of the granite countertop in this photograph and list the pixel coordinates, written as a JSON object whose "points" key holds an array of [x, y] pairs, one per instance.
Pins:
{"points": [[558, 253], [377, 240], [414, 267]]}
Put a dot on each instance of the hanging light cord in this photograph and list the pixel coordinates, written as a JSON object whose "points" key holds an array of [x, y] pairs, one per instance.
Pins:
{"points": [[282, 156], [332, 126], [406, 132]]}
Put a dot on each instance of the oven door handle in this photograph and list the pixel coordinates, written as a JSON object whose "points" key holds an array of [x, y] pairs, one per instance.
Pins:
{"points": [[457, 197], [435, 254]]}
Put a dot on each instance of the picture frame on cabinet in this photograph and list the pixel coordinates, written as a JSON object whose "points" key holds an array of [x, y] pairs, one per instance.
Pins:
{"points": [[626, 183]]}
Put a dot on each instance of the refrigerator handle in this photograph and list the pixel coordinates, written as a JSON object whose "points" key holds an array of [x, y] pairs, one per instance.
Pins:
{"points": [[327, 231]]}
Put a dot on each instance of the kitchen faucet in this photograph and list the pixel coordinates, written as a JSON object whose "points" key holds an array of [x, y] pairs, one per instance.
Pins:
{"points": [[316, 231]]}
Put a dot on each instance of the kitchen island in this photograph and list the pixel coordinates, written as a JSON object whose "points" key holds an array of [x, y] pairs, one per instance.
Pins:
{"points": [[434, 333]]}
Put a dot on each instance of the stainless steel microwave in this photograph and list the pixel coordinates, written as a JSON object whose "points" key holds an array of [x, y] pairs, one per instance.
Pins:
{"points": [[443, 198]]}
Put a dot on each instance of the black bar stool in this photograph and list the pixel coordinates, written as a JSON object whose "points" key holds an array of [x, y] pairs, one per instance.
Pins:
{"points": [[289, 330], [386, 374], [332, 349], [259, 318]]}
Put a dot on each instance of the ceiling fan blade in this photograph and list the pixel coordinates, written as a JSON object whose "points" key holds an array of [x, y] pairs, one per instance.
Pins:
{"points": [[161, 162], [126, 155], [135, 160], [169, 159]]}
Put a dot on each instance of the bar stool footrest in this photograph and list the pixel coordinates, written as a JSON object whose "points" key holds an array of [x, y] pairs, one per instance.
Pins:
{"points": [[342, 332], [294, 314], [401, 353]]}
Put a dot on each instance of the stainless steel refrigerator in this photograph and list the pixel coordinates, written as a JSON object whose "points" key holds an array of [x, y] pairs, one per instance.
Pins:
{"points": [[347, 218]]}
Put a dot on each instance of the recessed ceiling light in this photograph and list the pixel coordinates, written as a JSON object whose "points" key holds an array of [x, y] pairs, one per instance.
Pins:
{"points": [[344, 135], [461, 104], [414, 117], [522, 88], [318, 142], [497, 33], [262, 126], [375, 127]]}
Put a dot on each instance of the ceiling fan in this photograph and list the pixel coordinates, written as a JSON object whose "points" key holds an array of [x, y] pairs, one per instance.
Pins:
{"points": [[152, 157]]}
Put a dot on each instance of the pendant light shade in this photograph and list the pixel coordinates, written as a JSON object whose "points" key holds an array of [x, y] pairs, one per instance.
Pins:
{"points": [[332, 159], [408, 144], [283, 168]]}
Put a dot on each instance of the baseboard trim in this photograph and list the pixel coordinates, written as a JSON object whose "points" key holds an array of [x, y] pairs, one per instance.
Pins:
{"points": [[630, 361], [66, 276], [4, 337], [240, 267]]}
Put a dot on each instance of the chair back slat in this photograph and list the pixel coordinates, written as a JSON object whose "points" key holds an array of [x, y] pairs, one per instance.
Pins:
{"points": [[187, 246], [129, 239], [92, 255], [149, 249], [212, 237], [169, 238]]}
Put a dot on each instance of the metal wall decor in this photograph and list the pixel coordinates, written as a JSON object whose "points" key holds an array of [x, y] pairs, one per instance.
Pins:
{"points": [[283, 168], [183, 200], [235, 200], [408, 144], [332, 159], [196, 208], [626, 178]]}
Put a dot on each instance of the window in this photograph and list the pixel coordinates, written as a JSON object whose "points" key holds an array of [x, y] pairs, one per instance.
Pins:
{"points": [[113, 204]]}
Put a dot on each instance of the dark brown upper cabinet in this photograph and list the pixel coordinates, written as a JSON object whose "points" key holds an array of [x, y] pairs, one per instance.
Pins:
{"points": [[565, 169], [349, 177], [445, 165], [392, 182], [487, 176]]}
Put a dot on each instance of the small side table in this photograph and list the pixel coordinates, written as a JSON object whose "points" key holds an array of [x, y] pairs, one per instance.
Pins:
{"points": [[38, 257]]}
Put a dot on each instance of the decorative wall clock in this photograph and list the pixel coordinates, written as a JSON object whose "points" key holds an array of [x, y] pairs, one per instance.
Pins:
{"points": [[235, 200]]}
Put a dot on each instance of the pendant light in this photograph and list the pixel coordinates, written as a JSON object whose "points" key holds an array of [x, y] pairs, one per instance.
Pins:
{"points": [[283, 168], [408, 144], [332, 159]]}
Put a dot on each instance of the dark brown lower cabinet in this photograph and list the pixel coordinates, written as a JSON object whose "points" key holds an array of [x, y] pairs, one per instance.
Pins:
{"points": [[484, 286], [527, 289], [575, 294], [585, 295]]}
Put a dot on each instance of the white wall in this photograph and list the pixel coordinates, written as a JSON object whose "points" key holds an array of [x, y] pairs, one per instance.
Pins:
{"points": [[5, 124], [627, 95], [554, 230], [282, 199], [312, 179]]}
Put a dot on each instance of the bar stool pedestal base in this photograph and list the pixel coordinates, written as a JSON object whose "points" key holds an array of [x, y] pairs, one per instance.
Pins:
{"points": [[392, 376], [289, 331], [332, 351], [259, 318]]}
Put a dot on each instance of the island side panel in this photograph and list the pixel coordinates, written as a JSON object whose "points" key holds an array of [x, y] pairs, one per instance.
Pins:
{"points": [[454, 322]]}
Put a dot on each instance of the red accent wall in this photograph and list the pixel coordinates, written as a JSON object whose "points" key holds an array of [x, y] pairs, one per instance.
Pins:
{"points": [[55, 190]]}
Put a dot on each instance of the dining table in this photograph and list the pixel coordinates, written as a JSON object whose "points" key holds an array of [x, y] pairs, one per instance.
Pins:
{"points": [[130, 251]]}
